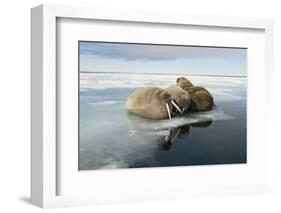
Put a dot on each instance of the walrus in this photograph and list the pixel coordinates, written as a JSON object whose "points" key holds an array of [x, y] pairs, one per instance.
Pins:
{"points": [[151, 102], [184, 83], [201, 99], [180, 96]]}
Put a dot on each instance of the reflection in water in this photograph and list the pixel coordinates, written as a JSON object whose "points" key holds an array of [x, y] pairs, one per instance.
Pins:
{"points": [[163, 138], [202, 124], [174, 133], [180, 132]]}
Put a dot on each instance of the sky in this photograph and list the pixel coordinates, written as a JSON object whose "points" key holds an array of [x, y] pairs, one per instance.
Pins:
{"points": [[162, 59]]}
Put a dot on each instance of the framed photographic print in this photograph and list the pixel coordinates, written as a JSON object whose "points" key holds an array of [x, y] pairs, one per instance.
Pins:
{"points": [[130, 106]]}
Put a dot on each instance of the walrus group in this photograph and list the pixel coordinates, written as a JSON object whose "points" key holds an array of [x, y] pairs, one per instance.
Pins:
{"points": [[157, 103]]}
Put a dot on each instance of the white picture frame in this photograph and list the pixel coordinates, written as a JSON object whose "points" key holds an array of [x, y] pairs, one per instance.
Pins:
{"points": [[45, 169]]}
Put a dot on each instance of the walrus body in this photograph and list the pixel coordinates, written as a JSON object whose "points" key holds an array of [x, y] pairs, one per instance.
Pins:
{"points": [[150, 102], [180, 96], [201, 98]]}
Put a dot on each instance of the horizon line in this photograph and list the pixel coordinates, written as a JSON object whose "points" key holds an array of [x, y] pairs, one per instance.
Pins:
{"points": [[99, 72]]}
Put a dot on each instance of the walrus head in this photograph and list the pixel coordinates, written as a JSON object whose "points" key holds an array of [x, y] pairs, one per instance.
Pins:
{"points": [[181, 98], [183, 101], [170, 103], [151, 102], [166, 99], [184, 82]]}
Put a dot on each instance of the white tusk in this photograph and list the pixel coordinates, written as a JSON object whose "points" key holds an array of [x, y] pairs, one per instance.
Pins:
{"points": [[168, 109], [175, 105]]}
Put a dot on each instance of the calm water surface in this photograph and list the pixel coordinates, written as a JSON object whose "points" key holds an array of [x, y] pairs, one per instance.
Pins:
{"points": [[112, 138]]}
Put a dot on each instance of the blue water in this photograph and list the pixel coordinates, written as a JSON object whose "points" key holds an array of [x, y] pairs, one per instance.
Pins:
{"points": [[111, 138]]}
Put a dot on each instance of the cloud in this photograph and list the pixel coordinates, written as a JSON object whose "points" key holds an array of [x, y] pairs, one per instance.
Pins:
{"points": [[155, 52]]}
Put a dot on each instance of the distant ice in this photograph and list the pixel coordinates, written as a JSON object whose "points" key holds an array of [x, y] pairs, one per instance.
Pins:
{"points": [[222, 88], [105, 81]]}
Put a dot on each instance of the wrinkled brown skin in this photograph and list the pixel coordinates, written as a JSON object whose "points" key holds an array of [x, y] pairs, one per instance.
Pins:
{"points": [[201, 98], [180, 96], [150, 102]]}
